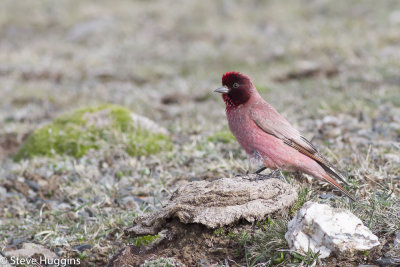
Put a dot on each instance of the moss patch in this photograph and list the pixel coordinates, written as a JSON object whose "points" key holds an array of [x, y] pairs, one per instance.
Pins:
{"points": [[91, 128], [223, 136], [144, 240]]}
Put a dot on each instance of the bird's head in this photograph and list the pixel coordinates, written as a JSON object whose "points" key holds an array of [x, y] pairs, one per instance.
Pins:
{"points": [[236, 89]]}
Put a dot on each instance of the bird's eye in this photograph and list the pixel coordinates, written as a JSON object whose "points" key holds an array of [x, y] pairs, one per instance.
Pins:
{"points": [[235, 85]]}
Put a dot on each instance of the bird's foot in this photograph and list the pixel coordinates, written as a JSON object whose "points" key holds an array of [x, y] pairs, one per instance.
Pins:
{"points": [[275, 173], [259, 170]]}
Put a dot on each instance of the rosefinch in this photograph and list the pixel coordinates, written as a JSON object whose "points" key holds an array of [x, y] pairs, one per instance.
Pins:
{"points": [[267, 136]]}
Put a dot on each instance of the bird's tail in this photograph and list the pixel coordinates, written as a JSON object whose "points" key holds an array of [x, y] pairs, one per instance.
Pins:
{"points": [[329, 179]]}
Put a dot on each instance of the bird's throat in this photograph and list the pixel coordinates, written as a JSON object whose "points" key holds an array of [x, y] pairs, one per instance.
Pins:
{"points": [[228, 101]]}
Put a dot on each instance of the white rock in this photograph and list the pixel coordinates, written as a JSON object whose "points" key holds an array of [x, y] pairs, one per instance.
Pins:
{"points": [[325, 229]]}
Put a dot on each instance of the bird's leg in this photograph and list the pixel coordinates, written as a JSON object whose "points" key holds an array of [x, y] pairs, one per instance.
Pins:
{"points": [[274, 173], [260, 170], [281, 175]]}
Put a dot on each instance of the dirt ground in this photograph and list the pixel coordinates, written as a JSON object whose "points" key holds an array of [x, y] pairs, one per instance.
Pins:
{"points": [[330, 67], [190, 244]]}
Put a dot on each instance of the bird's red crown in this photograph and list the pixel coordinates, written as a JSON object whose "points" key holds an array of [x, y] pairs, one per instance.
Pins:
{"points": [[230, 76]]}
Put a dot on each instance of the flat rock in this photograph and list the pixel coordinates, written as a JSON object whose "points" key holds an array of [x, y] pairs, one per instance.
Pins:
{"points": [[220, 202], [325, 229]]}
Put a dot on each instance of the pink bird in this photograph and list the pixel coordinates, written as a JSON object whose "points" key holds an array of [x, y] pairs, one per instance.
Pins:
{"points": [[268, 137]]}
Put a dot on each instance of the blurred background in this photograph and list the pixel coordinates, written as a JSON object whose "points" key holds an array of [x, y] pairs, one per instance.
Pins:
{"points": [[59, 55], [330, 67]]}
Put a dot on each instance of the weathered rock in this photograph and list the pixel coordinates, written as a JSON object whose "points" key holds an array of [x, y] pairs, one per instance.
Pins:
{"points": [[321, 228], [220, 202]]}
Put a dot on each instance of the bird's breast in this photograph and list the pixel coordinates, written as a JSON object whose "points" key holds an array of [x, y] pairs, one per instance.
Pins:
{"points": [[259, 145], [243, 128]]}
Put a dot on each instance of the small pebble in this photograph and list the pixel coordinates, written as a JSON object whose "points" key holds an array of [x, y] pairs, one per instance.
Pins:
{"points": [[326, 195], [33, 185], [82, 247], [3, 193], [388, 261], [16, 241], [397, 239], [83, 214]]}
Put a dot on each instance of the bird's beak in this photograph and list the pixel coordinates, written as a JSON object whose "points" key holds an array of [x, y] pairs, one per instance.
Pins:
{"points": [[222, 90]]}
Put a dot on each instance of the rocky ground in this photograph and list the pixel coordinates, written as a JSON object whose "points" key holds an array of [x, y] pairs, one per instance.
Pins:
{"points": [[331, 68]]}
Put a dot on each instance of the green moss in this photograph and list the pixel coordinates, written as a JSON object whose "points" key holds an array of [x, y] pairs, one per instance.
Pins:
{"points": [[144, 240], [90, 128], [219, 231], [223, 136], [142, 143]]}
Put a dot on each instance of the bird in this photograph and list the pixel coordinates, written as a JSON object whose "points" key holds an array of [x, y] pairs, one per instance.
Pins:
{"points": [[267, 137]]}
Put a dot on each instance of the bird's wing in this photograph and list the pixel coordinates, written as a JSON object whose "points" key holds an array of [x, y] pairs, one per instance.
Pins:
{"points": [[271, 122]]}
